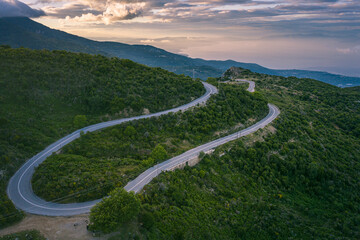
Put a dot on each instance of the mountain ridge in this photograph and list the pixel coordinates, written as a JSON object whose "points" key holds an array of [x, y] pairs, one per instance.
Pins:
{"points": [[25, 32]]}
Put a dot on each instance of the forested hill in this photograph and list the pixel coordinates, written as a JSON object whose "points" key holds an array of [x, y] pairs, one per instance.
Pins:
{"points": [[297, 179], [19, 31], [45, 95]]}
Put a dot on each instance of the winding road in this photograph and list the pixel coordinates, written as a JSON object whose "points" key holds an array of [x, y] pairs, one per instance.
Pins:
{"points": [[251, 87], [20, 191]]}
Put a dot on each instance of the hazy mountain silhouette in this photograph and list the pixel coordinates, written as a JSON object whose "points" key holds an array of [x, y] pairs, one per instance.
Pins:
{"points": [[24, 32]]}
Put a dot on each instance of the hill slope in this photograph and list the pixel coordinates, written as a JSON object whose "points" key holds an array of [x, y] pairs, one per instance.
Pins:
{"points": [[96, 163], [297, 179], [24, 32], [46, 95]]}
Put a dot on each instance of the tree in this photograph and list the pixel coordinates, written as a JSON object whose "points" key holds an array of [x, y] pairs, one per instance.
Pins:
{"points": [[159, 153], [5, 46], [114, 210], [147, 219], [80, 121], [130, 131]]}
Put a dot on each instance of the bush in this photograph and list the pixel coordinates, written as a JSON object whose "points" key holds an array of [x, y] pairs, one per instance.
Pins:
{"points": [[80, 121], [147, 219], [24, 235], [159, 153], [114, 210]]}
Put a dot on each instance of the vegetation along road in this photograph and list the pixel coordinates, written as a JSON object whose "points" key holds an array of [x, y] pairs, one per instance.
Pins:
{"points": [[21, 193]]}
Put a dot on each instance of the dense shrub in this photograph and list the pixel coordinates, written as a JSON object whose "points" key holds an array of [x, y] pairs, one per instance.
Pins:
{"points": [[90, 167], [111, 212], [299, 182]]}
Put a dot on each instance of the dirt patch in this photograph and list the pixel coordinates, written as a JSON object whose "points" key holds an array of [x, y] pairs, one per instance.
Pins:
{"points": [[284, 88], [55, 228], [251, 120], [236, 83], [269, 154], [271, 129], [258, 136], [237, 126], [146, 111]]}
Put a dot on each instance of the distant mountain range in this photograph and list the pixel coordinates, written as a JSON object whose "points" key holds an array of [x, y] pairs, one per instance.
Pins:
{"points": [[24, 32]]}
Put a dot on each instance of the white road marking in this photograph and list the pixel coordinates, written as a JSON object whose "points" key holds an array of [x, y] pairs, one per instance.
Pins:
{"points": [[76, 208]]}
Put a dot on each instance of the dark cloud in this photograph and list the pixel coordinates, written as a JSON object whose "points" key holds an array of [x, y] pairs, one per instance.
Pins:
{"points": [[15, 8], [315, 18], [331, 18], [70, 10]]}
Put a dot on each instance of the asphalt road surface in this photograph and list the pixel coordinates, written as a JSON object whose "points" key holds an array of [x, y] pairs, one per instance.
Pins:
{"points": [[251, 87], [137, 184], [20, 191]]}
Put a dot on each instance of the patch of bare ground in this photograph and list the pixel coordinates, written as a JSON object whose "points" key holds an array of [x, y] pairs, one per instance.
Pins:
{"points": [[236, 83], [237, 126], [146, 111], [269, 154], [258, 136], [251, 139], [55, 228], [251, 120]]}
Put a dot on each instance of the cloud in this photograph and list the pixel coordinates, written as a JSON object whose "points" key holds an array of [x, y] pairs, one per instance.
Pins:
{"points": [[15, 8], [98, 11], [70, 10], [317, 18], [305, 32], [353, 50], [122, 11], [110, 11]]}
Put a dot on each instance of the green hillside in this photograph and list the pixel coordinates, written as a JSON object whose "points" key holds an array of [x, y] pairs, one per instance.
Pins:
{"points": [[297, 179], [45, 95], [93, 165]]}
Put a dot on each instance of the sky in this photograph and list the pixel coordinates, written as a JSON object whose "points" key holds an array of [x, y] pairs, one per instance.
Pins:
{"points": [[281, 34]]}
